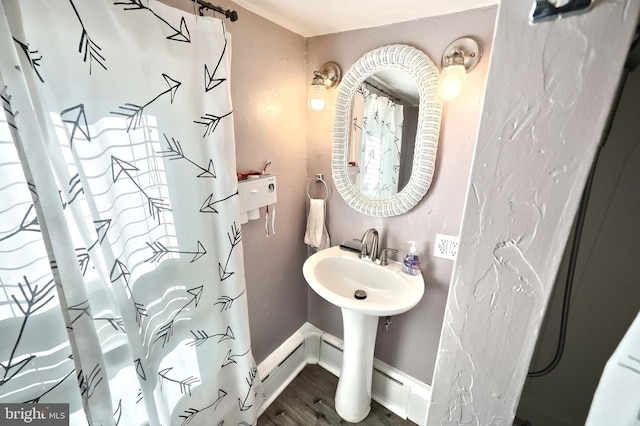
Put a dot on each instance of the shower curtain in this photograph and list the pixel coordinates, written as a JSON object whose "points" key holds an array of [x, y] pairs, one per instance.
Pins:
{"points": [[122, 289], [376, 143]]}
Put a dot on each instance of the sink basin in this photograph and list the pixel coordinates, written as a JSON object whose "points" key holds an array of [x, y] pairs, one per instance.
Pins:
{"points": [[336, 274]]}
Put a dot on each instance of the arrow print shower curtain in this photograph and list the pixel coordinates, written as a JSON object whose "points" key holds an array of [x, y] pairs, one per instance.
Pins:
{"points": [[376, 142], [121, 274]]}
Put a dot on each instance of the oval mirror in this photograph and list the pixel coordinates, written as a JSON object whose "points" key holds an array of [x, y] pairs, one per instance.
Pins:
{"points": [[380, 166]]}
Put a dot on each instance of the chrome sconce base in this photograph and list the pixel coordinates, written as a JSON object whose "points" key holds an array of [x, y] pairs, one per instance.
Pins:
{"points": [[466, 47], [330, 74]]}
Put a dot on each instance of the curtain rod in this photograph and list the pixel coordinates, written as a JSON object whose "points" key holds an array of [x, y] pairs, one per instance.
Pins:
{"points": [[395, 98], [232, 15]]}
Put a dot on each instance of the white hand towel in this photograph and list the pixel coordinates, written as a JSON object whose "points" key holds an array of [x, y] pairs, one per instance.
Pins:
{"points": [[316, 234]]}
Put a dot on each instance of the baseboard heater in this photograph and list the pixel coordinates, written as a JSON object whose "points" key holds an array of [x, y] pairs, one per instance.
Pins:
{"points": [[396, 391], [375, 370]]}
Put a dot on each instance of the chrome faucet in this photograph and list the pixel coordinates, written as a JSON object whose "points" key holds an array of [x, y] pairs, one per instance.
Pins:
{"points": [[369, 249], [383, 256]]}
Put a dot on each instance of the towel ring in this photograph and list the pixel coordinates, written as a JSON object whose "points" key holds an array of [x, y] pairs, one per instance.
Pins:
{"points": [[319, 178]]}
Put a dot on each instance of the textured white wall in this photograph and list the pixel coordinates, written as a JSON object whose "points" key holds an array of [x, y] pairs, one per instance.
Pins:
{"points": [[549, 90]]}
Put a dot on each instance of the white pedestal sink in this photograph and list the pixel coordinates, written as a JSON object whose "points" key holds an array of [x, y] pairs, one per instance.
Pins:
{"points": [[336, 274]]}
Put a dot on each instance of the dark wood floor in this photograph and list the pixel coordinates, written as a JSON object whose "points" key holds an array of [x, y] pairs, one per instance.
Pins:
{"points": [[309, 401]]}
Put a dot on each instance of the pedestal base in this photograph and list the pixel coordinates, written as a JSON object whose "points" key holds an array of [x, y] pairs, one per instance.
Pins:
{"points": [[353, 396]]}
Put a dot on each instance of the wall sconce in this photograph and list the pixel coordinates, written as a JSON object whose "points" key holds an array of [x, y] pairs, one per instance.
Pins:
{"points": [[326, 79], [458, 58]]}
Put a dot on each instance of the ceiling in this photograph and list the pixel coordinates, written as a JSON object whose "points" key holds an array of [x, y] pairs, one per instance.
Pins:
{"points": [[312, 18]]}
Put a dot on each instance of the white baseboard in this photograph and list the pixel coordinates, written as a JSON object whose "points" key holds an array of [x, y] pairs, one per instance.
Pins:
{"points": [[405, 396]]}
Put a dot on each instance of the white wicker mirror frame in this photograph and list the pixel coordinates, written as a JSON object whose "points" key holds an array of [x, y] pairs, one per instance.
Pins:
{"points": [[425, 74]]}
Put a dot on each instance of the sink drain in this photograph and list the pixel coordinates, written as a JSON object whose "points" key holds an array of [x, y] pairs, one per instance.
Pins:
{"points": [[360, 294]]}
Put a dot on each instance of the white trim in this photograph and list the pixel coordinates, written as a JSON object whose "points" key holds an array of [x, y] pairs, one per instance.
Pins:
{"points": [[398, 392], [286, 362]]}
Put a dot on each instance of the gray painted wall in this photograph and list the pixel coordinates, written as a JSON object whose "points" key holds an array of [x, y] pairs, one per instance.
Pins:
{"points": [[271, 70], [412, 340], [606, 295], [268, 89], [269, 98]]}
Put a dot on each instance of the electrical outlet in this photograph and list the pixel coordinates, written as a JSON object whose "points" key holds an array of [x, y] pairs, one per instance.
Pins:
{"points": [[453, 247], [446, 246]]}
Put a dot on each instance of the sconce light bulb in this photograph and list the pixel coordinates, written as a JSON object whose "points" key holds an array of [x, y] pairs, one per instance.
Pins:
{"points": [[452, 79], [317, 104], [317, 97]]}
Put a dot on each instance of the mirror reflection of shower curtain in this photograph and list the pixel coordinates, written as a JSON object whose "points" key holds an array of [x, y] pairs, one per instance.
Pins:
{"points": [[376, 143], [122, 289]]}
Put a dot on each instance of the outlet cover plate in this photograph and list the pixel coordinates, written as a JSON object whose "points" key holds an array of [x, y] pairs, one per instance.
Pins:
{"points": [[446, 246]]}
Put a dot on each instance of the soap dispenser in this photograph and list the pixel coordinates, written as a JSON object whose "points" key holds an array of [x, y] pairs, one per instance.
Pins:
{"points": [[411, 264]]}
